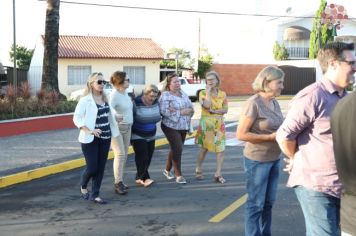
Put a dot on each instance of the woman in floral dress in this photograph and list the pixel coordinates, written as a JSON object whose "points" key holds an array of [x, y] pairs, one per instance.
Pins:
{"points": [[211, 130]]}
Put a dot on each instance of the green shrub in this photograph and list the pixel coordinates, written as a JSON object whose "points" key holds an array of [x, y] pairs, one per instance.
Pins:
{"points": [[280, 52]]}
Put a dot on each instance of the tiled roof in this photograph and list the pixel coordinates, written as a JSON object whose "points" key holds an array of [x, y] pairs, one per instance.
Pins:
{"points": [[108, 47]]}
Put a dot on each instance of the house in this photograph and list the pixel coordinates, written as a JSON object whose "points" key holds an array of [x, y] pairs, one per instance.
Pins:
{"points": [[79, 56], [294, 33]]}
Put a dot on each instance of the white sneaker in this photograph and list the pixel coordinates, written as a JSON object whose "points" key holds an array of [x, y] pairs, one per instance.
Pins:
{"points": [[181, 180], [168, 174]]}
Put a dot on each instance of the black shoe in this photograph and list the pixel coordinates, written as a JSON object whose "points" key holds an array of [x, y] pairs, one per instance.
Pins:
{"points": [[120, 189]]}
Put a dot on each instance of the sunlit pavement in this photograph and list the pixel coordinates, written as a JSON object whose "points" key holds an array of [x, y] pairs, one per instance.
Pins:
{"points": [[52, 206]]}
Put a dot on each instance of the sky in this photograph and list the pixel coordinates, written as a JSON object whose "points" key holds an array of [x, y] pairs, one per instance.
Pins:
{"points": [[225, 36]]}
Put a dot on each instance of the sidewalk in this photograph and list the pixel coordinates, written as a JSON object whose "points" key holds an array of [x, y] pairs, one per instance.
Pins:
{"points": [[24, 153]]}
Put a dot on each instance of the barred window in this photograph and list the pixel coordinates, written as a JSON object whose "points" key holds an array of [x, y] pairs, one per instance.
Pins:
{"points": [[78, 75], [136, 74]]}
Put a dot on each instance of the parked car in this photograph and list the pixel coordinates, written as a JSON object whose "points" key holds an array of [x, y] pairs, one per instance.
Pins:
{"points": [[107, 90], [191, 89]]}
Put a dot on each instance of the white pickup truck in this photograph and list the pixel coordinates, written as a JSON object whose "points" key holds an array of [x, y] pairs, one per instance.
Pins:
{"points": [[191, 89]]}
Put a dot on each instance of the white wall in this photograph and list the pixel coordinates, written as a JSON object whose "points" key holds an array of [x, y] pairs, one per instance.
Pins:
{"points": [[107, 67]]}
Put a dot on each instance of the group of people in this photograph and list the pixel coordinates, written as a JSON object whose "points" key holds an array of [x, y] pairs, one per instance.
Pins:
{"points": [[318, 139], [115, 120], [319, 144]]}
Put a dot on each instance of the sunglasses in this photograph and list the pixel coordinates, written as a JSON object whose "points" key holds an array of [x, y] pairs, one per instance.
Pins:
{"points": [[101, 82], [351, 63]]}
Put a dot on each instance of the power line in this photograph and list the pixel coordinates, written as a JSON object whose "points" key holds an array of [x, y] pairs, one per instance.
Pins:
{"points": [[187, 11]]}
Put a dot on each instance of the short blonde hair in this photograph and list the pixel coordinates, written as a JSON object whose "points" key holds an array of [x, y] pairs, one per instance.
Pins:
{"points": [[215, 75], [265, 76], [91, 79], [150, 89]]}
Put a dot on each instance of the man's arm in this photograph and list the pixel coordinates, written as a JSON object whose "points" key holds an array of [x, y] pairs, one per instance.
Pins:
{"points": [[288, 147]]}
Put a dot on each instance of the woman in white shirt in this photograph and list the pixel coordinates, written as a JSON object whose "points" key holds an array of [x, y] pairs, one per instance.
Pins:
{"points": [[97, 125], [121, 102]]}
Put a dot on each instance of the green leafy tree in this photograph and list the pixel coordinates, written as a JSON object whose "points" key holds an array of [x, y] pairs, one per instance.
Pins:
{"points": [[319, 38], [23, 56], [184, 59], [205, 62], [280, 52]]}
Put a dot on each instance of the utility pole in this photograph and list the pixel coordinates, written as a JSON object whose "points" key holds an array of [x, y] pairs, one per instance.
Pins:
{"points": [[199, 39], [14, 46]]}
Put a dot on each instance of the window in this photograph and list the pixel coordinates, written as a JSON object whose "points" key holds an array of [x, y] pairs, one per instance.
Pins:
{"points": [[78, 75], [136, 74]]}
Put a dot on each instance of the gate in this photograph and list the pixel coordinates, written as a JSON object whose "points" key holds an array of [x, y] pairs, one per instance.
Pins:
{"points": [[297, 78]]}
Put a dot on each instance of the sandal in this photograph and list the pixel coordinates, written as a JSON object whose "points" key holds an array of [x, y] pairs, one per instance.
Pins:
{"points": [[219, 179], [199, 175]]}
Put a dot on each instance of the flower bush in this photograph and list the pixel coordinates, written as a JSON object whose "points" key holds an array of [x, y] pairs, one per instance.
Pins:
{"points": [[19, 103]]}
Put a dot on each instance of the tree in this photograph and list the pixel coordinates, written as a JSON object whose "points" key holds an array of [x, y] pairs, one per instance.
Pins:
{"points": [[23, 56], [184, 59], [205, 62], [50, 58], [280, 52], [320, 33]]}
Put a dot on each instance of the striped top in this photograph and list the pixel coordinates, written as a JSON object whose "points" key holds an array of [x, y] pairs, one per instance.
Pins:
{"points": [[145, 119], [102, 121]]}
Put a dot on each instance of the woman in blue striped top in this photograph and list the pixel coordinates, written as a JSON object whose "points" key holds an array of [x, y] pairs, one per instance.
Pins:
{"points": [[146, 115]]}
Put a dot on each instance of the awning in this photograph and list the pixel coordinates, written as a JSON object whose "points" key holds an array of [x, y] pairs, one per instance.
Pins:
{"points": [[293, 33]]}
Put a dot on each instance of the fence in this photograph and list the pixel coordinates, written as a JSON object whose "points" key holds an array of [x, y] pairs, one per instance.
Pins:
{"points": [[21, 75], [298, 52]]}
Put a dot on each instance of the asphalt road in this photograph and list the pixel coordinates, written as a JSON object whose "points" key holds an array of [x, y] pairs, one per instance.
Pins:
{"points": [[52, 205]]}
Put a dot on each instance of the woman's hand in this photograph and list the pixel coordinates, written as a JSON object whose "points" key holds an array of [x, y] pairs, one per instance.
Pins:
{"points": [[187, 111], [96, 132], [289, 164], [273, 136], [119, 118]]}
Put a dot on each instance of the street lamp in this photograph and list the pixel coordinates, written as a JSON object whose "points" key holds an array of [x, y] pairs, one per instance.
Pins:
{"points": [[177, 56]]}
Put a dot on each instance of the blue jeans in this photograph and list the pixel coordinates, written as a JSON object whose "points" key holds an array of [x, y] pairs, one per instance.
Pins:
{"points": [[96, 154], [261, 187], [321, 212]]}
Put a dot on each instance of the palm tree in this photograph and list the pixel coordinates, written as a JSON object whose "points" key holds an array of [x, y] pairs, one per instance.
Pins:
{"points": [[50, 58]]}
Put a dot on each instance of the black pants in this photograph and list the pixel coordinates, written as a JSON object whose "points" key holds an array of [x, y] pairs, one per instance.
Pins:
{"points": [[176, 140], [143, 156], [96, 154]]}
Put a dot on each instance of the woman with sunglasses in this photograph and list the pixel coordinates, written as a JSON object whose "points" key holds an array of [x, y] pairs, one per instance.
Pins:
{"points": [[121, 102], [97, 125]]}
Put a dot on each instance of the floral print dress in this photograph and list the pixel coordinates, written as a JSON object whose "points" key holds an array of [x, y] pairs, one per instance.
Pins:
{"points": [[211, 129]]}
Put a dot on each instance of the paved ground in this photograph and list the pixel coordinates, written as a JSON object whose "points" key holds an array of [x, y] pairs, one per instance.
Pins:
{"points": [[52, 206], [29, 151]]}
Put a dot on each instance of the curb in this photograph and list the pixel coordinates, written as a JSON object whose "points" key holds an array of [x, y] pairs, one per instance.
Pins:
{"points": [[29, 175]]}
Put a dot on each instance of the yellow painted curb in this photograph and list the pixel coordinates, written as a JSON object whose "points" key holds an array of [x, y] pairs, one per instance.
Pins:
{"points": [[29, 175], [228, 210]]}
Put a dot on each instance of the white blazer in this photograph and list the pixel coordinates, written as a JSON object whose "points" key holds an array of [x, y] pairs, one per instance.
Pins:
{"points": [[85, 115]]}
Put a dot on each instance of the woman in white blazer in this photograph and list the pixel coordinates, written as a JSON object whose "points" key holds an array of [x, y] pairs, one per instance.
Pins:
{"points": [[94, 117]]}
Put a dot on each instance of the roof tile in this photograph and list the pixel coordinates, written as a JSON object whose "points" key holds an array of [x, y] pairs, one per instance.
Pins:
{"points": [[108, 47]]}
